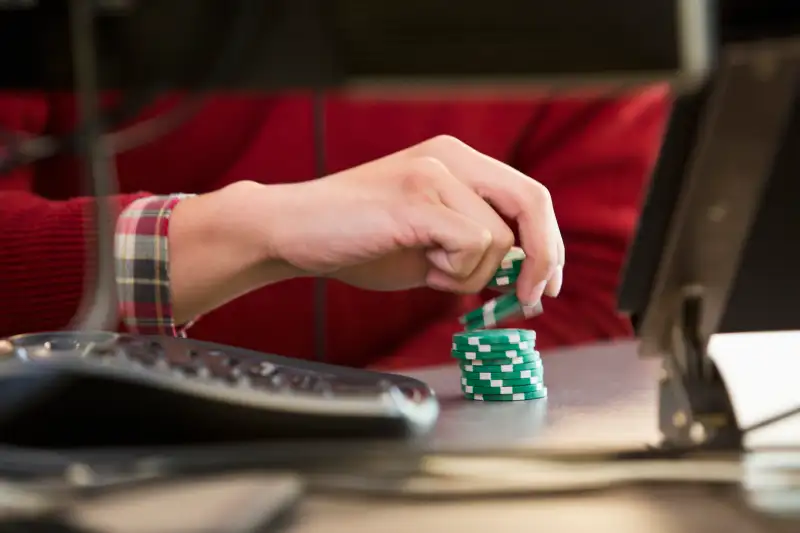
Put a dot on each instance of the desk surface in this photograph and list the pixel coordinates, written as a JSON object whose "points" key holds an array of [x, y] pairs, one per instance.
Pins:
{"points": [[601, 394], [605, 394]]}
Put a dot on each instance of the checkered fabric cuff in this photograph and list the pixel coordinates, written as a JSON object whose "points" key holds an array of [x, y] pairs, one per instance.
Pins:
{"points": [[142, 261]]}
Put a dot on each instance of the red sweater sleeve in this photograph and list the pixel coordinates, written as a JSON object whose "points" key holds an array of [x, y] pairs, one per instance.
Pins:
{"points": [[42, 266], [595, 158], [42, 263]]}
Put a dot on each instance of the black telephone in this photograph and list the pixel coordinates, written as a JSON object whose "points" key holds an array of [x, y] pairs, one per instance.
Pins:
{"points": [[79, 389]]}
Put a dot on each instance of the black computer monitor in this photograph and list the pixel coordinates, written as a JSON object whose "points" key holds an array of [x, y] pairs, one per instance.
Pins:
{"points": [[391, 45], [763, 287]]}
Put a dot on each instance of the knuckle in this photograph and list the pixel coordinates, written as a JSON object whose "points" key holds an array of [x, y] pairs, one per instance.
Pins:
{"points": [[427, 165], [245, 185], [442, 143], [539, 193], [504, 239], [483, 239], [548, 263], [421, 172], [425, 175]]}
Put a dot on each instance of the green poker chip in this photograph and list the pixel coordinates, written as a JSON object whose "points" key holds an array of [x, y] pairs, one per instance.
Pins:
{"points": [[499, 351], [499, 369], [493, 347], [493, 359], [513, 389], [503, 376], [491, 337], [507, 272], [519, 360], [504, 278], [519, 397], [496, 311], [511, 382], [492, 312], [505, 357], [513, 259]]}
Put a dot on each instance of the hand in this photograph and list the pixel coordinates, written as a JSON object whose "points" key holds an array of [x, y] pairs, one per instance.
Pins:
{"points": [[428, 215]]}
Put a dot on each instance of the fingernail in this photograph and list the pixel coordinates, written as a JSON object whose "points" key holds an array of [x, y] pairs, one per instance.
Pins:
{"points": [[555, 282], [531, 311], [536, 293]]}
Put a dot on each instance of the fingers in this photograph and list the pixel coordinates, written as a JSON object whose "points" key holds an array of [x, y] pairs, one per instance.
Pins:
{"points": [[518, 197], [557, 279], [458, 198], [539, 237], [456, 244]]}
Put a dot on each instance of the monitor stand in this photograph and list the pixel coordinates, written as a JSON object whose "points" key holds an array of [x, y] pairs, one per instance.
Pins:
{"points": [[741, 123]]}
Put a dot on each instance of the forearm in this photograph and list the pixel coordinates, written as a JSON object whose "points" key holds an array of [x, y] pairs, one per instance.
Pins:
{"points": [[215, 248]]}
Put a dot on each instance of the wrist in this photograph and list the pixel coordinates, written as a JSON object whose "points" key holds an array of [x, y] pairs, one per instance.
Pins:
{"points": [[220, 248]]}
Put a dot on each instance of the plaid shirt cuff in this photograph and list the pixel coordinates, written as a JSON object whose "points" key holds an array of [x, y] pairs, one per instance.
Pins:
{"points": [[142, 261]]}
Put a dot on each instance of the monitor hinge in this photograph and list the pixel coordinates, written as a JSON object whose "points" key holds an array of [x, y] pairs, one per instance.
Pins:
{"points": [[695, 406]]}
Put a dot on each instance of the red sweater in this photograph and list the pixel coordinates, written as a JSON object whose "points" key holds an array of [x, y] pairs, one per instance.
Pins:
{"points": [[593, 156]]}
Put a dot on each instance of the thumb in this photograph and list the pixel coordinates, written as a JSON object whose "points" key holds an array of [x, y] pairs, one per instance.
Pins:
{"points": [[456, 243]]}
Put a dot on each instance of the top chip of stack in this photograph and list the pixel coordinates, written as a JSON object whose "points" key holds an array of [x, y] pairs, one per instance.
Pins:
{"points": [[499, 365]]}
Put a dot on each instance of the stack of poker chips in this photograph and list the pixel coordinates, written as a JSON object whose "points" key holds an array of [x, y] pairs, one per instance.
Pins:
{"points": [[499, 365]]}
